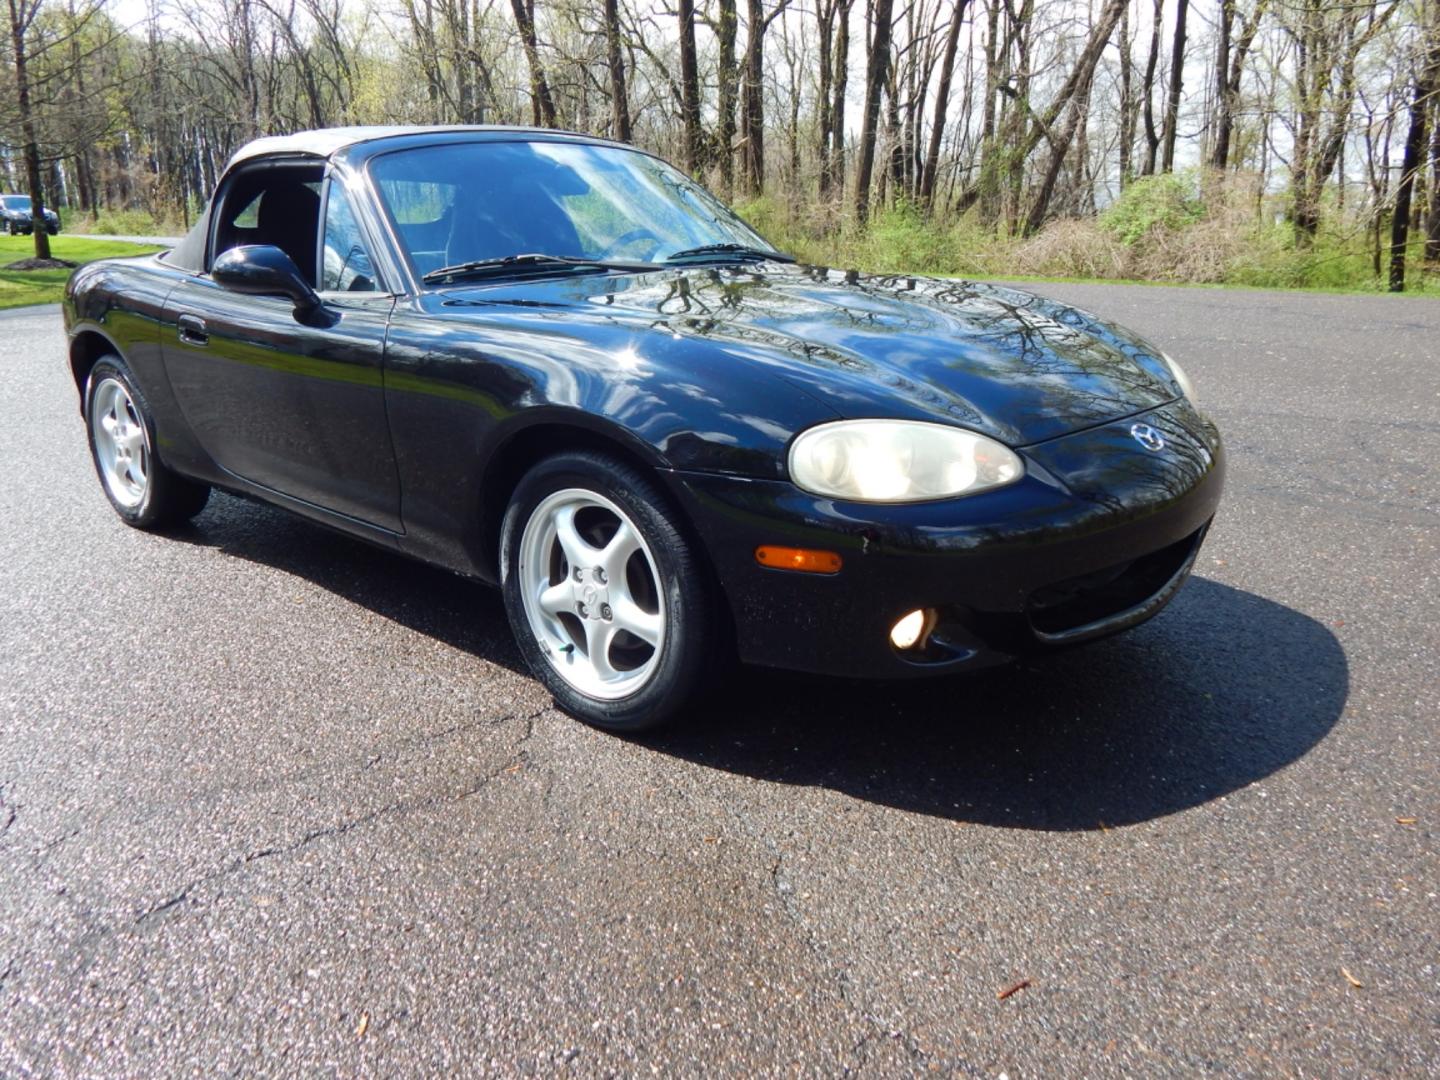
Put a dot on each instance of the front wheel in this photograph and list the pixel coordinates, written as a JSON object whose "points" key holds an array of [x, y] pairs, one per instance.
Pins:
{"points": [[143, 491], [609, 600]]}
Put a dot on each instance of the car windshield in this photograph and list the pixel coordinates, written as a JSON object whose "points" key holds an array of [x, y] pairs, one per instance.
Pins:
{"points": [[17, 202], [477, 201]]}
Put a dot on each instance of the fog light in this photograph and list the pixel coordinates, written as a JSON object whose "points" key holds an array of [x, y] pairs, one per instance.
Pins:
{"points": [[905, 633]]}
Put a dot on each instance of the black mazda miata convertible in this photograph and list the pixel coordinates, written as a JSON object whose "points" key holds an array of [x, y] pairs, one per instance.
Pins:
{"points": [[556, 364]]}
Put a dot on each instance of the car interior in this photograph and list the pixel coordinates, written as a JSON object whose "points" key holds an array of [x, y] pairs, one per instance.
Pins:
{"points": [[274, 205]]}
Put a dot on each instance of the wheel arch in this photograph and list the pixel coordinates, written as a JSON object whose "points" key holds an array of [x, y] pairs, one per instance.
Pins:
{"points": [[87, 347], [521, 448]]}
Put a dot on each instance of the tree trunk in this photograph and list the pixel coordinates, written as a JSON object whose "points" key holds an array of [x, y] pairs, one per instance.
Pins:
{"points": [[541, 103], [942, 102], [894, 137], [876, 70], [1177, 84], [1220, 139], [1432, 218], [986, 190], [21, 14], [825, 27], [1230, 72], [728, 77], [615, 60], [1152, 137], [752, 100], [1127, 99], [1427, 85], [837, 108], [689, 87]]}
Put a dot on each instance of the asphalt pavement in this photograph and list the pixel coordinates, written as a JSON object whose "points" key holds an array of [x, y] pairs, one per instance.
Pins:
{"points": [[273, 802]]}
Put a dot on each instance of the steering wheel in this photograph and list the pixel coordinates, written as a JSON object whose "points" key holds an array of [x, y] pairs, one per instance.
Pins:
{"points": [[621, 242]]}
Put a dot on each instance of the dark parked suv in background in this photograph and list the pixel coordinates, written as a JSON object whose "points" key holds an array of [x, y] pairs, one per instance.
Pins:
{"points": [[18, 212]]}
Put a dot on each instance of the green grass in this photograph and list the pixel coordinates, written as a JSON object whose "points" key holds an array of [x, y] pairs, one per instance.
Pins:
{"points": [[125, 223], [21, 287]]}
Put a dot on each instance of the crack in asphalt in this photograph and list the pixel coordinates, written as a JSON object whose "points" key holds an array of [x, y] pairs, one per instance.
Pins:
{"points": [[8, 811], [330, 832], [844, 984]]}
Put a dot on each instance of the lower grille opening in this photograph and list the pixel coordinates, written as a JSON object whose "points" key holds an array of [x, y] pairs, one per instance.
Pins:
{"points": [[1081, 601]]}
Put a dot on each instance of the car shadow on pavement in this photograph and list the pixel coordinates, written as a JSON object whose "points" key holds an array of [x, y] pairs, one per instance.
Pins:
{"points": [[1220, 690]]}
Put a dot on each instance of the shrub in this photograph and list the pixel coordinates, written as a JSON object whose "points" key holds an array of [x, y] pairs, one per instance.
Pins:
{"points": [[1150, 204], [1071, 248]]}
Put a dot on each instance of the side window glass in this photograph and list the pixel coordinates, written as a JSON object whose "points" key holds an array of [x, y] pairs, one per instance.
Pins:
{"points": [[346, 262], [275, 206], [249, 217]]}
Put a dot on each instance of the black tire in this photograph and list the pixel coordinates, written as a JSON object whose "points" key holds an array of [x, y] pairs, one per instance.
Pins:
{"points": [[689, 649], [14, 229], [168, 499]]}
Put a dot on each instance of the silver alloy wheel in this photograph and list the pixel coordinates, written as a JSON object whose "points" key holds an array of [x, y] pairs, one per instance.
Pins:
{"points": [[592, 593], [122, 446]]}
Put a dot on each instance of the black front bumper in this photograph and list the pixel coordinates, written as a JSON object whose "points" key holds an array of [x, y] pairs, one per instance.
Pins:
{"points": [[1097, 537]]}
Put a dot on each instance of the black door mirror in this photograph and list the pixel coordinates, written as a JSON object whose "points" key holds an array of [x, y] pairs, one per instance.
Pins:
{"points": [[264, 270]]}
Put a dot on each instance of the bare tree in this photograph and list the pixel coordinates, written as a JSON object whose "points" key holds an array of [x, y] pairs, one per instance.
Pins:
{"points": [[728, 81], [752, 108], [942, 103], [1230, 55], [542, 102], [1427, 87], [615, 61], [1432, 217], [22, 17], [1328, 38], [689, 86], [876, 69], [1152, 135], [1177, 84], [1074, 95]]}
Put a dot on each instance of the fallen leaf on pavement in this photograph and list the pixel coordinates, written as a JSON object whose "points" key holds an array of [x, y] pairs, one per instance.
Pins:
{"points": [[364, 1026], [1406, 820], [1351, 979]]}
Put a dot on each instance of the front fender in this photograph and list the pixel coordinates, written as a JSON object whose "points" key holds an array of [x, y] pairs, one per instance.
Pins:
{"points": [[462, 382]]}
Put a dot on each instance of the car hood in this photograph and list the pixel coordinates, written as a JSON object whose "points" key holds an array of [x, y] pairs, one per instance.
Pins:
{"points": [[1015, 366]]}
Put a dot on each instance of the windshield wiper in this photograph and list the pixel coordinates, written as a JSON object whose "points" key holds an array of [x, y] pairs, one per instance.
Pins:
{"points": [[737, 251], [530, 261]]}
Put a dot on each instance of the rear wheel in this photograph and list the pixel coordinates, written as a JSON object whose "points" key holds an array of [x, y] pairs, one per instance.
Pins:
{"points": [[608, 599], [143, 492]]}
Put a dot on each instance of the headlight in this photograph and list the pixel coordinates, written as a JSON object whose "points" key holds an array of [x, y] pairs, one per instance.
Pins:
{"points": [[1186, 386], [898, 461]]}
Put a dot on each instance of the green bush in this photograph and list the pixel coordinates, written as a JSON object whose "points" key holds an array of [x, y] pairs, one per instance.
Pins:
{"points": [[1168, 202]]}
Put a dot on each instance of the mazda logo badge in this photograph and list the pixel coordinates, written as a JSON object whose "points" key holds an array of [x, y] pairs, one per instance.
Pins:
{"points": [[1147, 437]]}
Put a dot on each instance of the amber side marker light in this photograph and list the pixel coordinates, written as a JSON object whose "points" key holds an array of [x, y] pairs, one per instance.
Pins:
{"points": [[803, 559]]}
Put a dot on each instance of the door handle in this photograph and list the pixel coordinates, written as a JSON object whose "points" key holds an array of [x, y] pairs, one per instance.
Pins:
{"points": [[192, 330]]}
